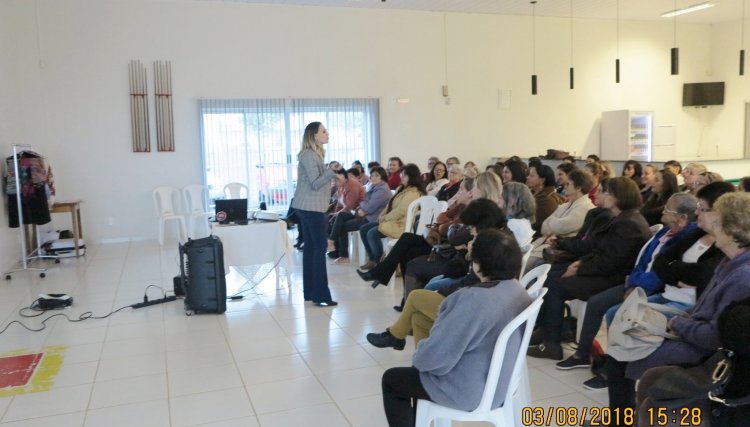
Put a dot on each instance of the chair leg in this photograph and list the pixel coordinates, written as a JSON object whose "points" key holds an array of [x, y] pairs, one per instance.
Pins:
{"points": [[161, 231]]}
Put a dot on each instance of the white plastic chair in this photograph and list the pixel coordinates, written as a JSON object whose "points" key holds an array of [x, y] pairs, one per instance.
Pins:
{"points": [[656, 228], [196, 207], [538, 275], [167, 202], [509, 412], [235, 190], [525, 259]]}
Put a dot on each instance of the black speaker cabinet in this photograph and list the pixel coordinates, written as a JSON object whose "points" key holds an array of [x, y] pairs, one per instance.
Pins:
{"points": [[202, 271]]}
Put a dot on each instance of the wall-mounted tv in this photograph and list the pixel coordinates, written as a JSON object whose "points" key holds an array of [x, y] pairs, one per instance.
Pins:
{"points": [[699, 94]]}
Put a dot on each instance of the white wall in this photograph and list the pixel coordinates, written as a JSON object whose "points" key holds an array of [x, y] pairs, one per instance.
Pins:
{"points": [[76, 111]]}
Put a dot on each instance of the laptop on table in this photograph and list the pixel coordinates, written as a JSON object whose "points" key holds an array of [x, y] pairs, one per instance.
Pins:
{"points": [[231, 210]]}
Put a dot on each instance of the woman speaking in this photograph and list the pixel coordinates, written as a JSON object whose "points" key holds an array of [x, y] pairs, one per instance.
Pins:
{"points": [[311, 199]]}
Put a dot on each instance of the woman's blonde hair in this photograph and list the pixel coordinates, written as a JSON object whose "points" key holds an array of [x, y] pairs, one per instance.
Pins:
{"points": [[308, 140], [490, 187]]}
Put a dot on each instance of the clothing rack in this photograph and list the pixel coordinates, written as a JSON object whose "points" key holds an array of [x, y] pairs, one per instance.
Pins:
{"points": [[25, 256]]}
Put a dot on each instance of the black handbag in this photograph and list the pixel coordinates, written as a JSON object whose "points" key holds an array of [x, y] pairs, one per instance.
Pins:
{"points": [[678, 386]]}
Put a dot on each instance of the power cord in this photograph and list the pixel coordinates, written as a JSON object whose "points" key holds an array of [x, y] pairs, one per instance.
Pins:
{"points": [[35, 307], [238, 295]]}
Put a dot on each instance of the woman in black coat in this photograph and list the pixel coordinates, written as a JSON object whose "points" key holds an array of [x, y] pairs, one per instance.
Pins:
{"points": [[610, 252]]}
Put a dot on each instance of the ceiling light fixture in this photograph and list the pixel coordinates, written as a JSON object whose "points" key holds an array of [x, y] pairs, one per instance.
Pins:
{"points": [[689, 9], [742, 42], [572, 72], [617, 59], [674, 54], [533, 47]]}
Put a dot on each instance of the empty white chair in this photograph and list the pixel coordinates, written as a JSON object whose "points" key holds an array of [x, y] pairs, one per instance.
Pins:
{"points": [[236, 190], [196, 207], [509, 413], [167, 202], [538, 275]]}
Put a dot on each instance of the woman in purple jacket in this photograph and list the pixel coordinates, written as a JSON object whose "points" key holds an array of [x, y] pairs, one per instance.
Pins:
{"points": [[730, 219]]}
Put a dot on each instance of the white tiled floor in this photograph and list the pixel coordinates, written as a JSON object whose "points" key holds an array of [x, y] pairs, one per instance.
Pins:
{"points": [[272, 360]]}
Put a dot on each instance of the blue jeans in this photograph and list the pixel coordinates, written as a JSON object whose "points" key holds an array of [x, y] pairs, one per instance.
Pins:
{"points": [[314, 274], [439, 282], [371, 240], [342, 225]]}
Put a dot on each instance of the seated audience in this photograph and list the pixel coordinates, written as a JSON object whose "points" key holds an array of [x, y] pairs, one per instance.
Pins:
{"points": [[375, 200], [520, 207], [450, 188], [563, 170], [514, 170], [608, 169], [363, 178], [427, 176], [678, 219], [349, 194], [421, 307], [568, 218], [610, 253], [704, 179], [665, 184], [437, 178], [632, 169], [689, 174], [647, 179], [734, 335], [569, 160], [394, 172], [449, 368], [541, 182], [676, 168], [392, 219], [450, 161], [595, 169], [592, 158], [744, 184], [698, 330], [410, 246]]}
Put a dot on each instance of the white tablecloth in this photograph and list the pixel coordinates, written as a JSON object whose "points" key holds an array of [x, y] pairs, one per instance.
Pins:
{"points": [[255, 243]]}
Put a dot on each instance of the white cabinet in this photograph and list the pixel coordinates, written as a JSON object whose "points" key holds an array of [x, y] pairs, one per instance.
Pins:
{"points": [[626, 135]]}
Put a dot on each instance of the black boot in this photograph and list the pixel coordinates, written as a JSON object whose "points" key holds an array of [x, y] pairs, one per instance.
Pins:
{"points": [[385, 339]]}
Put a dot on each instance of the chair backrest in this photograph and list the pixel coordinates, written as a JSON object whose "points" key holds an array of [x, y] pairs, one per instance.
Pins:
{"points": [[166, 200], [656, 228], [538, 275], [196, 196], [427, 207], [526, 250], [524, 322], [234, 190]]}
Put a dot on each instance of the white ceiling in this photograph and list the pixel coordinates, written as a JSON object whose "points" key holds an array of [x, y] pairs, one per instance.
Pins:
{"points": [[647, 10]]}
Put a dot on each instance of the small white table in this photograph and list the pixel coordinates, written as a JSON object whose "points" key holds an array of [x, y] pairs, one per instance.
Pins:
{"points": [[256, 243]]}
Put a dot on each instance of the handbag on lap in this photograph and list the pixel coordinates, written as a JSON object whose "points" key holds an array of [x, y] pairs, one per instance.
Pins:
{"points": [[638, 328]]}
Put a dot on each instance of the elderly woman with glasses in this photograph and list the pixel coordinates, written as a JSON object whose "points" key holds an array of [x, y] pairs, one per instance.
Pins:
{"points": [[678, 217], [729, 220]]}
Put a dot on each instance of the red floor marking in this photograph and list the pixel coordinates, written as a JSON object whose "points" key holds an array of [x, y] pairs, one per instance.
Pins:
{"points": [[17, 370]]}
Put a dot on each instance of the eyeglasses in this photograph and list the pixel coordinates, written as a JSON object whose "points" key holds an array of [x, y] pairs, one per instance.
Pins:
{"points": [[700, 207], [670, 211]]}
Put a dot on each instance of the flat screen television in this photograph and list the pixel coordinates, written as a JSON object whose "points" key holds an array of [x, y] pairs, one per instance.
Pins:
{"points": [[699, 94]]}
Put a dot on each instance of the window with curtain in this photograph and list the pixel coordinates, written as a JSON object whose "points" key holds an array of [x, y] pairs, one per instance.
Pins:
{"points": [[255, 141]]}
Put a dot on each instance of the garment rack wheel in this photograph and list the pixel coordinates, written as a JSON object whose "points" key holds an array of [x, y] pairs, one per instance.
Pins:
{"points": [[7, 277], [42, 275]]}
